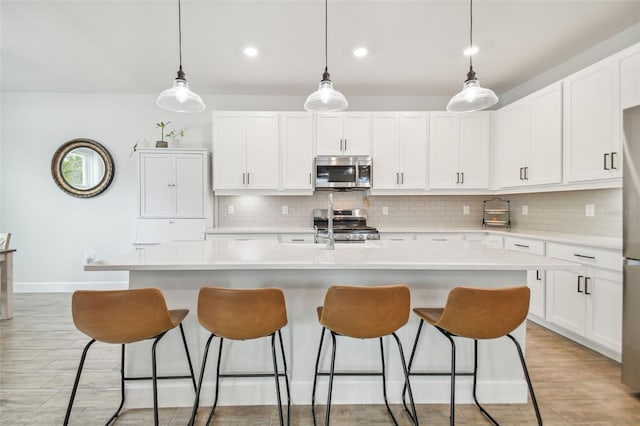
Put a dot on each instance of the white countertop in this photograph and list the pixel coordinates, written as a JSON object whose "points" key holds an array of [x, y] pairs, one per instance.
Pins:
{"points": [[560, 237], [260, 254]]}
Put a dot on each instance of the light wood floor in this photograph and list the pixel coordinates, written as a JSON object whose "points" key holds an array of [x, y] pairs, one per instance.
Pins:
{"points": [[40, 350]]}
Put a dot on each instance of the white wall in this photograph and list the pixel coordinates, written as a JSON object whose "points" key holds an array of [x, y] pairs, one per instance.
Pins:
{"points": [[51, 230]]}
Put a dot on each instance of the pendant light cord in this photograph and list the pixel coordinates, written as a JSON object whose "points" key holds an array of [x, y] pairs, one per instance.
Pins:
{"points": [[326, 37], [180, 33], [470, 33]]}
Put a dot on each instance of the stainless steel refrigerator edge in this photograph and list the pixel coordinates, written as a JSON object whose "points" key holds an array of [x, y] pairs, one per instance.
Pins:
{"points": [[631, 249]]}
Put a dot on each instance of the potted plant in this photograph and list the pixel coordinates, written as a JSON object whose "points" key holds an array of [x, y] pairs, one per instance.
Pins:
{"points": [[172, 134]]}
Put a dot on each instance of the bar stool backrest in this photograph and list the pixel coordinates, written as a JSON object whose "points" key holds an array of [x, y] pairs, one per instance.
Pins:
{"points": [[242, 314], [484, 313], [121, 316], [366, 312]]}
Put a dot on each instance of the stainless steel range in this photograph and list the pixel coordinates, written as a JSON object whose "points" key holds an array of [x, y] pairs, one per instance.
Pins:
{"points": [[349, 226]]}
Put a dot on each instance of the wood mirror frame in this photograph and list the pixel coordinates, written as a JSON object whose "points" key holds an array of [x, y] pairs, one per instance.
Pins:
{"points": [[98, 184]]}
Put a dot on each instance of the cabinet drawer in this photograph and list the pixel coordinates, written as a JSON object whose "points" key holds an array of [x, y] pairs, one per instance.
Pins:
{"points": [[525, 245], [297, 238], [602, 258], [440, 238], [494, 241], [397, 236], [242, 237], [153, 231]]}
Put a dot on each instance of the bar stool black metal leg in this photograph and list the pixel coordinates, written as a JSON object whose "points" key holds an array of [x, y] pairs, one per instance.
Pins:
{"points": [[384, 383], [196, 402], [215, 398], [413, 353], [315, 378], [75, 384], [333, 364], [526, 375], [186, 349], [286, 377], [117, 413], [154, 378], [475, 377], [407, 385], [276, 377], [452, 407]]}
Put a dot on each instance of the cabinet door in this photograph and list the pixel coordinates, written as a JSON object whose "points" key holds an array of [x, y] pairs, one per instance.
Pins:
{"points": [[386, 151], [628, 64], [189, 185], [512, 134], [229, 150], [536, 284], [414, 130], [604, 311], [589, 127], [329, 139], [544, 164], [443, 150], [297, 150], [263, 166], [473, 150], [357, 133], [156, 190], [565, 305]]}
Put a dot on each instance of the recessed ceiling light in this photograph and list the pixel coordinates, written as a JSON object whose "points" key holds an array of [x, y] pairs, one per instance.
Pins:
{"points": [[360, 52], [251, 52], [471, 50]]}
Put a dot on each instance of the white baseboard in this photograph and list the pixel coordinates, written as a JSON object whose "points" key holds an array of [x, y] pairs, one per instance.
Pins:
{"points": [[67, 287]]}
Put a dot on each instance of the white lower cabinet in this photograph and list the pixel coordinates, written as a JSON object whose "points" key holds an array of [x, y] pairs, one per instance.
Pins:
{"points": [[589, 304], [536, 283], [156, 231], [397, 236]]}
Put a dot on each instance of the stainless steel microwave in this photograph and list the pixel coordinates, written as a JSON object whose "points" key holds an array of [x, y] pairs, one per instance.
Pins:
{"points": [[343, 173]]}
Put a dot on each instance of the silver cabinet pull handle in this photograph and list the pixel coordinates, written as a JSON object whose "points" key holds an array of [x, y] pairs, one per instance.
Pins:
{"points": [[521, 169], [586, 285], [345, 144], [248, 174], [341, 145], [612, 158], [402, 178], [526, 173], [521, 245], [605, 161], [457, 177], [580, 277], [462, 177], [538, 277], [397, 178], [309, 178], [243, 178]]}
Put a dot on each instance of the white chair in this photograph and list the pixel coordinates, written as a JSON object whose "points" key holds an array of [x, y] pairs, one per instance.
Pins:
{"points": [[5, 238]]}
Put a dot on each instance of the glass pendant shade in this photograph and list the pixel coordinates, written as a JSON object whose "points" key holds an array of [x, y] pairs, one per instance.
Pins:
{"points": [[180, 98], [326, 99], [473, 97]]}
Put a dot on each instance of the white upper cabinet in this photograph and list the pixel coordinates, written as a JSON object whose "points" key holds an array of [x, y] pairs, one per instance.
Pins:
{"points": [[172, 183], [529, 140], [400, 150], [347, 133], [627, 63], [296, 132], [459, 150], [246, 151], [591, 124]]}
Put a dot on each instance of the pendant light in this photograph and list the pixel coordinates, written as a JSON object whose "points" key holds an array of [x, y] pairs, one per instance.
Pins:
{"points": [[326, 99], [180, 98], [473, 97]]}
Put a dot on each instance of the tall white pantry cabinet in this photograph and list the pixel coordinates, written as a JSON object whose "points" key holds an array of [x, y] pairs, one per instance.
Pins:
{"points": [[174, 196]]}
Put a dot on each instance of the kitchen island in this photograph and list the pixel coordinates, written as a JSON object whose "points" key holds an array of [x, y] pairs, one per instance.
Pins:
{"points": [[304, 272]]}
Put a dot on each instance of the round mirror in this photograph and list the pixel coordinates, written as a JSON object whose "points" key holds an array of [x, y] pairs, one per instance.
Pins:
{"points": [[82, 168]]}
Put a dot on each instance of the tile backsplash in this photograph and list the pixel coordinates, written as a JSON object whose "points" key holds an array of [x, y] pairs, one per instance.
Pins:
{"points": [[552, 211]]}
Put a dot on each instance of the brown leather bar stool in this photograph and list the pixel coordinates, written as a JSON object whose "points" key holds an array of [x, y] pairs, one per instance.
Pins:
{"points": [[121, 317], [243, 314], [478, 314], [363, 313]]}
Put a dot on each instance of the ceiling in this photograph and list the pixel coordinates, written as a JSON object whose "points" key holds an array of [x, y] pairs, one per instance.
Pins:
{"points": [[415, 46]]}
